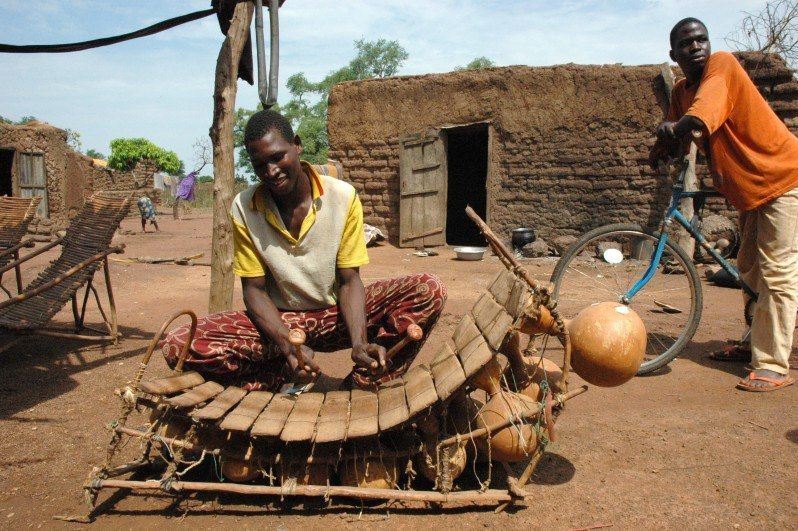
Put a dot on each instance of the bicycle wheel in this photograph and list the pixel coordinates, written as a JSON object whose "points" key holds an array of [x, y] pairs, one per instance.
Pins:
{"points": [[669, 304]]}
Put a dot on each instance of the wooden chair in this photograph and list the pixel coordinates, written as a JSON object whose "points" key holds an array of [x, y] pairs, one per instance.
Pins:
{"points": [[16, 214], [85, 247]]}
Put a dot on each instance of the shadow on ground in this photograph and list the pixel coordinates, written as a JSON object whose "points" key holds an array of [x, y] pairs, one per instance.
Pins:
{"points": [[37, 369]]}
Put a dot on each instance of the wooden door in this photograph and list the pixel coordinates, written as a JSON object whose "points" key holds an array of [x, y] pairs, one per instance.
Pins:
{"points": [[31, 179], [422, 191]]}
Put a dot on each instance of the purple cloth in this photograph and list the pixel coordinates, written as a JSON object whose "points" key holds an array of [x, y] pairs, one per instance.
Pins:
{"points": [[185, 190]]}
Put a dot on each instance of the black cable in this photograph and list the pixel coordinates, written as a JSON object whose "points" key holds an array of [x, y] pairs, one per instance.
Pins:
{"points": [[96, 43]]}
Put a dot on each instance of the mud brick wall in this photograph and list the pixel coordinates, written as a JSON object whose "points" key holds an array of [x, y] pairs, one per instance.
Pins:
{"points": [[44, 139], [137, 182], [71, 176], [568, 144]]}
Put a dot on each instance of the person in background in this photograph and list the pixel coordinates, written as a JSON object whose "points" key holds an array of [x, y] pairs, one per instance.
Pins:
{"points": [[147, 211], [754, 163]]}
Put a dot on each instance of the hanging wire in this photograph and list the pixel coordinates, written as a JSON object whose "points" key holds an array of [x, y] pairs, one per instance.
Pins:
{"points": [[105, 41]]}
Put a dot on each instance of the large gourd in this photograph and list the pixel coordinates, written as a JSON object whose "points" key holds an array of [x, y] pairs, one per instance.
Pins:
{"points": [[608, 342]]}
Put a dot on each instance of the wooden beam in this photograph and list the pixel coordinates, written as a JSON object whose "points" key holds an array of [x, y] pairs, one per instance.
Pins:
{"points": [[224, 100]]}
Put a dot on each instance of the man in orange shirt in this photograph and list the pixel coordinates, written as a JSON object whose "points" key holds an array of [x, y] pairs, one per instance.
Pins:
{"points": [[754, 162]]}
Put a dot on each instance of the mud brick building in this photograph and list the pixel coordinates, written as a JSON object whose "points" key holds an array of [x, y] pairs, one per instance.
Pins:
{"points": [[35, 159], [562, 149]]}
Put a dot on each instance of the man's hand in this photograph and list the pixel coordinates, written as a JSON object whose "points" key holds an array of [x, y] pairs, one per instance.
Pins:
{"points": [[660, 151], [309, 371], [666, 132], [370, 356]]}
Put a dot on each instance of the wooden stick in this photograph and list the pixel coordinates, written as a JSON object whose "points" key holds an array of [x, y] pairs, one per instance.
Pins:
{"points": [[27, 257], [490, 495], [297, 338], [224, 100], [525, 475], [59, 279], [181, 359], [479, 432], [70, 335], [501, 250], [15, 249], [18, 273], [110, 292], [414, 333]]}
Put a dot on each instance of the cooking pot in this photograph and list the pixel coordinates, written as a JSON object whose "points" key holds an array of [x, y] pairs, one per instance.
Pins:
{"points": [[522, 236]]}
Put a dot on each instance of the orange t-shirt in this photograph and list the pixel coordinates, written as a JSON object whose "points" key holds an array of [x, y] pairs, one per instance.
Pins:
{"points": [[753, 155]]}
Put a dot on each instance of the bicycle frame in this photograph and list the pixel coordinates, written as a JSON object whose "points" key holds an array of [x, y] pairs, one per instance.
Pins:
{"points": [[672, 213]]}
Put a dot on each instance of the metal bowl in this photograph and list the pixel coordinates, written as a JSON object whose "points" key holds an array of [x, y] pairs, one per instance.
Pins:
{"points": [[469, 253]]}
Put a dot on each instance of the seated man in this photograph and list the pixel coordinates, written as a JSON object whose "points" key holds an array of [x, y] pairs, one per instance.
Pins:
{"points": [[299, 245]]}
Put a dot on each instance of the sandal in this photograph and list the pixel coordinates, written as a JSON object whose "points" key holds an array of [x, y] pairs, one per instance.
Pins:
{"points": [[732, 353], [775, 383]]}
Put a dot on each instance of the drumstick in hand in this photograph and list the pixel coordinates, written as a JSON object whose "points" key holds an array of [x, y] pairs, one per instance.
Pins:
{"points": [[297, 338], [414, 333]]}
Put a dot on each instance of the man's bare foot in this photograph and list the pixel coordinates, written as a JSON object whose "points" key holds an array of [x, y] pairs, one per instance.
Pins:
{"points": [[762, 380]]}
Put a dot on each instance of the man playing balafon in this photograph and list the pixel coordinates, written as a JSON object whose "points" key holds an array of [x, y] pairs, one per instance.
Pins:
{"points": [[298, 248], [754, 162]]}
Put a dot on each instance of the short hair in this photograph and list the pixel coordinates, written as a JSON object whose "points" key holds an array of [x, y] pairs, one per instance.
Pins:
{"points": [[684, 22], [260, 123]]}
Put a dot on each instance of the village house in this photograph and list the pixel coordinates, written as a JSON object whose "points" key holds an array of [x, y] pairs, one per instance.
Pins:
{"points": [[561, 149], [36, 160]]}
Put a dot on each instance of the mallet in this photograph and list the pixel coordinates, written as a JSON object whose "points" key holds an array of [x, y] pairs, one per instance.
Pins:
{"points": [[414, 333], [297, 338]]}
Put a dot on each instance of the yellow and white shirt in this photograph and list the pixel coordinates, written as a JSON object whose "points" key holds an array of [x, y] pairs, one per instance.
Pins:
{"points": [[300, 272]]}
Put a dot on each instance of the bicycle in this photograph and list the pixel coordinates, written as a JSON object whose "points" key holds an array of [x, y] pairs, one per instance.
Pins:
{"points": [[643, 269]]}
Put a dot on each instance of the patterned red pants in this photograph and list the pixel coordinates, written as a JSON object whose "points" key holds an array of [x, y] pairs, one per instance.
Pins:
{"points": [[228, 348]]}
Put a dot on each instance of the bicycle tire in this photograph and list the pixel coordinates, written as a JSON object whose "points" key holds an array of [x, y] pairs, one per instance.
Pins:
{"points": [[693, 281]]}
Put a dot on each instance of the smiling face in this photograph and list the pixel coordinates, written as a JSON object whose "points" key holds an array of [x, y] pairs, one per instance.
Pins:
{"points": [[276, 161], [691, 50]]}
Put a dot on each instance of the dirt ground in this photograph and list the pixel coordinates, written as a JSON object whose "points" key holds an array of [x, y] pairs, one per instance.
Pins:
{"points": [[682, 448]]}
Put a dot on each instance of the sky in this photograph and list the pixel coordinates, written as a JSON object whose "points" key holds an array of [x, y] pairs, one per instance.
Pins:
{"points": [[161, 87]]}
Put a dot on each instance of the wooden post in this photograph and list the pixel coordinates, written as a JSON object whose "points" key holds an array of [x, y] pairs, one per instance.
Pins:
{"points": [[224, 99], [684, 240]]}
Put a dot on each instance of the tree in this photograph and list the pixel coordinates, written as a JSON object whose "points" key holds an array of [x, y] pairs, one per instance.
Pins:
{"points": [[21, 121], [307, 108], [126, 152], [203, 155], [476, 64], [93, 153], [774, 29], [205, 179], [73, 140]]}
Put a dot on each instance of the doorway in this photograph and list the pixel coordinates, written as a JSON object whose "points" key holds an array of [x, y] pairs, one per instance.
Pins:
{"points": [[467, 168], [6, 165]]}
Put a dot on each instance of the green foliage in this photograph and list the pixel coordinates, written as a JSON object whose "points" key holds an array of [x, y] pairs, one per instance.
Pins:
{"points": [[73, 140], [21, 121], [307, 108], [476, 64], [93, 153], [126, 152], [205, 179]]}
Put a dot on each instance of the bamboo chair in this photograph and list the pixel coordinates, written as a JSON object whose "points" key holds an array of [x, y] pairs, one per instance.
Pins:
{"points": [[16, 214], [86, 247]]}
